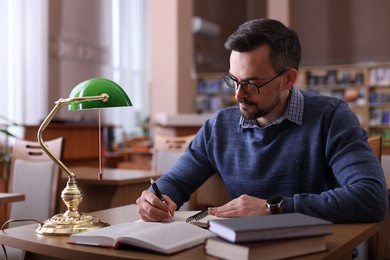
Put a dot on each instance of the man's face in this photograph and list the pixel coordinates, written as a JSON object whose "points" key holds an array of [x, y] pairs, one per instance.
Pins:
{"points": [[254, 67]]}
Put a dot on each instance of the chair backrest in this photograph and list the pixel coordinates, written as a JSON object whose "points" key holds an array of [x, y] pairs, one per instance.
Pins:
{"points": [[172, 143], [34, 174], [376, 145], [167, 150]]}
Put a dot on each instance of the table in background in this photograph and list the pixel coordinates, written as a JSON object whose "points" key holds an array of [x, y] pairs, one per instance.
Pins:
{"points": [[6, 198], [345, 237], [11, 197], [118, 187]]}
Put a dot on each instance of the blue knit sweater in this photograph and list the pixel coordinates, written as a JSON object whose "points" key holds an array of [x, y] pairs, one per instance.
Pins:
{"points": [[323, 167]]}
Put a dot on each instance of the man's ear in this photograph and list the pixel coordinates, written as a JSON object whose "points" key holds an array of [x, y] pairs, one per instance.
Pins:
{"points": [[291, 77]]}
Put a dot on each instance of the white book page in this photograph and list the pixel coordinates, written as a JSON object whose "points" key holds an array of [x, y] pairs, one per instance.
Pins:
{"points": [[107, 236], [162, 237], [169, 237]]}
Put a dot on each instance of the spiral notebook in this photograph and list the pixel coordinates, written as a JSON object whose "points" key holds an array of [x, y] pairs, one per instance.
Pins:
{"points": [[197, 218]]}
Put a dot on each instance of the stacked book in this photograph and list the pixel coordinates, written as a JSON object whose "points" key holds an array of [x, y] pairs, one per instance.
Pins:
{"points": [[267, 237]]}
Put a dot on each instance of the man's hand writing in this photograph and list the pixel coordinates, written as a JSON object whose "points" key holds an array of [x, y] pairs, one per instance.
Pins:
{"points": [[151, 208]]}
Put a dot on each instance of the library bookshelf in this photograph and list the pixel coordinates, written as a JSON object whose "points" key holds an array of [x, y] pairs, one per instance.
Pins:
{"points": [[365, 87]]}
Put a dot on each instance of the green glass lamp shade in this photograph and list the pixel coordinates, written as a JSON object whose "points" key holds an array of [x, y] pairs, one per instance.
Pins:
{"points": [[96, 87]]}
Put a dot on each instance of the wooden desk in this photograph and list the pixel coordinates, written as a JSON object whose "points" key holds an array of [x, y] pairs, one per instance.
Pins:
{"points": [[118, 187], [345, 237], [11, 197], [6, 198]]}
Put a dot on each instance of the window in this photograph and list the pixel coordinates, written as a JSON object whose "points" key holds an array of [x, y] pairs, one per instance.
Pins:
{"points": [[24, 61], [130, 62]]}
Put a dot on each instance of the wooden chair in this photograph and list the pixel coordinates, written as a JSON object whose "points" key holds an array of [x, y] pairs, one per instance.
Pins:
{"points": [[167, 150], [376, 144], [172, 143], [34, 174]]}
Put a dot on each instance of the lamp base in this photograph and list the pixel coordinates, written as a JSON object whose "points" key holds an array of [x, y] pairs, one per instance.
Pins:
{"points": [[65, 225]]}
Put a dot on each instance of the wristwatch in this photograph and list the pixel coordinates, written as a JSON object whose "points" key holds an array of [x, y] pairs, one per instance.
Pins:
{"points": [[274, 203]]}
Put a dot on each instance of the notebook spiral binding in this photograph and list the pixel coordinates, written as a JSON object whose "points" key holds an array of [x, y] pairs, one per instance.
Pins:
{"points": [[198, 216]]}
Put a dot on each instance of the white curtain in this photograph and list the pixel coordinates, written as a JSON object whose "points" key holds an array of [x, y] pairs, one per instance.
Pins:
{"points": [[130, 62], [23, 60]]}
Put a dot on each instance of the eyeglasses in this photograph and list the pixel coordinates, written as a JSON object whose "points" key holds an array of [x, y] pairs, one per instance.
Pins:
{"points": [[250, 88]]}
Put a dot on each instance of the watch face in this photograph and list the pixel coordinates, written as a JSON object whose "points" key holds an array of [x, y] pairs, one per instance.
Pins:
{"points": [[274, 200]]}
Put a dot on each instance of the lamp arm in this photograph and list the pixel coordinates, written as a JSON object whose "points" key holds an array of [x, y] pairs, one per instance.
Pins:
{"points": [[103, 97], [58, 105]]}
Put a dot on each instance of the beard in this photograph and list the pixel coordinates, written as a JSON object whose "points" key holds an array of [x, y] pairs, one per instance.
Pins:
{"points": [[258, 112]]}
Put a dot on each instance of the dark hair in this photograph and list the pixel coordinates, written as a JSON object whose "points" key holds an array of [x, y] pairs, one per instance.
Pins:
{"points": [[283, 42]]}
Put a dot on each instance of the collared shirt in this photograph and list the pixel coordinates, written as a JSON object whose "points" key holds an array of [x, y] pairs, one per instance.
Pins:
{"points": [[293, 112]]}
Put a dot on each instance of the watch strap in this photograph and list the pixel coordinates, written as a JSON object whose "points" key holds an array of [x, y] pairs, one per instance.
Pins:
{"points": [[274, 203]]}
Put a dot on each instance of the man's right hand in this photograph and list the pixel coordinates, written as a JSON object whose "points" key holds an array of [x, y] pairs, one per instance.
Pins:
{"points": [[151, 208]]}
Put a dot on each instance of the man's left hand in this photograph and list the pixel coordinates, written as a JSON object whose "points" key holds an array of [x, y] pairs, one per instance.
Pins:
{"points": [[242, 206]]}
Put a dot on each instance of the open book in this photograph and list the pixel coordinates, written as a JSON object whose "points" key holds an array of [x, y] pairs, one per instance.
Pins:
{"points": [[166, 238]]}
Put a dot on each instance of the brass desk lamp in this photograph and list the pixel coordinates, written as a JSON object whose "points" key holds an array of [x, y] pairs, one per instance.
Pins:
{"points": [[93, 93]]}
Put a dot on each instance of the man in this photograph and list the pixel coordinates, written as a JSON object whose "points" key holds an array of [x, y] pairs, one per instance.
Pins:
{"points": [[308, 150]]}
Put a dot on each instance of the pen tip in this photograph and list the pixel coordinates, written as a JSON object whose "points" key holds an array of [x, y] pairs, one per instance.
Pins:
{"points": [[151, 181]]}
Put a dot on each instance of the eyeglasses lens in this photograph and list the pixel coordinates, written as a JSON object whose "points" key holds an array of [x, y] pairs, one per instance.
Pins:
{"points": [[231, 83]]}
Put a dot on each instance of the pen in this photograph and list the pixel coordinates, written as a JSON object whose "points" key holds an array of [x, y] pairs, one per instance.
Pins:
{"points": [[159, 195]]}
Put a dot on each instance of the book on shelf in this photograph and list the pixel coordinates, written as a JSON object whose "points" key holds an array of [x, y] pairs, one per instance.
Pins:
{"points": [[290, 225], [166, 238], [275, 249]]}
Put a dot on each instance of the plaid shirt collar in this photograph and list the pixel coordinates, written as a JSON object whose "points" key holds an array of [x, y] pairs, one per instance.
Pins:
{"points": [[293, 112]]}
